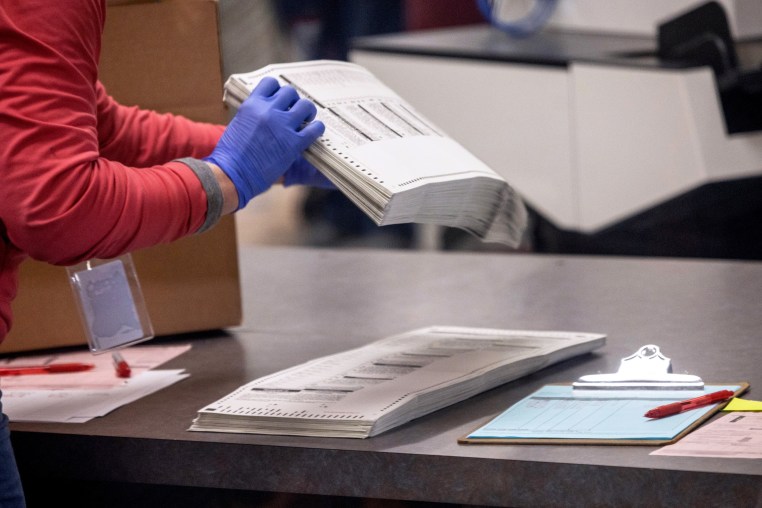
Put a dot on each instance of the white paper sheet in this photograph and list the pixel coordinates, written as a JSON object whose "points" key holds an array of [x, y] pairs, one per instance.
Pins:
{"points": [[81, 405], [80, 396], [735, 436], [365, 391], [388, 159], [139, 358]]}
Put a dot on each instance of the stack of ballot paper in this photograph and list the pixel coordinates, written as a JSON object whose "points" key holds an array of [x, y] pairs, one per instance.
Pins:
{"points": [[393, 163], [365, 391]]}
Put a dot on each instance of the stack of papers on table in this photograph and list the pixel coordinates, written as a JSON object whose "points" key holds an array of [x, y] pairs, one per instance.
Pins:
{"points": [[368, 390], [393, 163], [81, 396]]}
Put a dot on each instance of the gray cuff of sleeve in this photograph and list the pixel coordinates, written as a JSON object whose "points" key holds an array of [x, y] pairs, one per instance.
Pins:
{"points": [[212, 188]]}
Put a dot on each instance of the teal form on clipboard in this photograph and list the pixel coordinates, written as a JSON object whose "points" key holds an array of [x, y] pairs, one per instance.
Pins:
{"points": [[607, 408]]}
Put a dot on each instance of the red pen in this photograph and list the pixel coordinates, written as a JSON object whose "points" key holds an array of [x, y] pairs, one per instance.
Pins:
{"points": [[678, 407], [53, 368], [122, 367]]}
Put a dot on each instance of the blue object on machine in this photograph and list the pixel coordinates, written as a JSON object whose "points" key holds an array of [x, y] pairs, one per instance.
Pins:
{"points": [[525, 26], [265, 138]]}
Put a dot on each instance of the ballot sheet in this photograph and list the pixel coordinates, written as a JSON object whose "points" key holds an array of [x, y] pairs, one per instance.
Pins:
{"points": [[736, 435], [365, 391], [387, 158]]}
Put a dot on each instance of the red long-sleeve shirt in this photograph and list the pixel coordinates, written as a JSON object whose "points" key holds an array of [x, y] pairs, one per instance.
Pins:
{"points": [[80, 175]]}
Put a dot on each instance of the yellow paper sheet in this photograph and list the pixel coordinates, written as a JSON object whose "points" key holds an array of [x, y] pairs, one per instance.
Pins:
{"points": [[743, 405]]}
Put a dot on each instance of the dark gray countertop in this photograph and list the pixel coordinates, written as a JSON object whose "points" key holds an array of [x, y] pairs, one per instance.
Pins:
{"points": [[303, 303]]}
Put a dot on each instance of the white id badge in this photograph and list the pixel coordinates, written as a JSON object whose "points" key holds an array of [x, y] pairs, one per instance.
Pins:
{"points": [[110, 303]]}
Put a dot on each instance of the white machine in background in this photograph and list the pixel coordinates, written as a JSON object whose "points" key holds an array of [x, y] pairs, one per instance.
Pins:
{"points": [[591, 129], [641, 17]]}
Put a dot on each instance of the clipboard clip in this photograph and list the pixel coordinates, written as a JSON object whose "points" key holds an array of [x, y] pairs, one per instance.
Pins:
{"points": [[646, 369]]}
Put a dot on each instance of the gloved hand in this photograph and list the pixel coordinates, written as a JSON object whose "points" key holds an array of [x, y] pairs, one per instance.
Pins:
{"points": [[303, 173], [264, 139]]}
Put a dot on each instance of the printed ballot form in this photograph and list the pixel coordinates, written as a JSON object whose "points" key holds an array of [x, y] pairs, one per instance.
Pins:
{"points": [[388, 159], [735, 435], [365, 391]]}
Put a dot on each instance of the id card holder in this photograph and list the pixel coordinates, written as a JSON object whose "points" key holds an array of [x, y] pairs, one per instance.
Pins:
{"points": [[110, 303]]}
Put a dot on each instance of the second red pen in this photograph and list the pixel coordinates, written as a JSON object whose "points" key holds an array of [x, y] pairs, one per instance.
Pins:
{"points": [[678, 407]]}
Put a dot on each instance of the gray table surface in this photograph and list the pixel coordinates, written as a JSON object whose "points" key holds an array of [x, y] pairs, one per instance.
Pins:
{"points": [[303, 303]]}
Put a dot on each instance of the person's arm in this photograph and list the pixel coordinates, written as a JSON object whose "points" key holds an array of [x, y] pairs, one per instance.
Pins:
{"points": [[227, 189], [140, 137], [60, 199], [63, 202]]}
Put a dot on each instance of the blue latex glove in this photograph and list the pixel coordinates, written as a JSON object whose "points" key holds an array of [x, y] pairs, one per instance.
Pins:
{"points": [[303, 173], [265, 138]]}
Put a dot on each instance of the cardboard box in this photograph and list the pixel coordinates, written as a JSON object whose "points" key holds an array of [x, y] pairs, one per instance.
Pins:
{"points": [[163, 56]]}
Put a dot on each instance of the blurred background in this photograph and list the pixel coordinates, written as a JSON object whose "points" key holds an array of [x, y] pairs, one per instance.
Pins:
{"points": [[630, 128]]}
